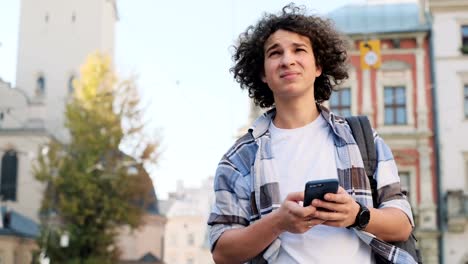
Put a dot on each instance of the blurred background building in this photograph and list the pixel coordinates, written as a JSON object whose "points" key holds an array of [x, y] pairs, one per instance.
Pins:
{"points": [[55, 37], [186, 239], [450, 64]]}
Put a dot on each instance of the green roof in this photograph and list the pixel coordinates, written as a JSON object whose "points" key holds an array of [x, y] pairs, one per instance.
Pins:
{"points": [[20, 225], [378, 18]]}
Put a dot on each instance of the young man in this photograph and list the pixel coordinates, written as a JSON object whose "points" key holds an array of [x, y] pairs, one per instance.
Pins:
{"points": [[291, 62]]}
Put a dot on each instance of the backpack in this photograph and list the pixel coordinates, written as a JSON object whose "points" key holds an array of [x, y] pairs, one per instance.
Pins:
{"points": [[364, 137]]}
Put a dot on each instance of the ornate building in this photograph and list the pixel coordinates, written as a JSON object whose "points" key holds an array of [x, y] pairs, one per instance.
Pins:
{"points": [[55, 37], [185, 238], [54, 40]]}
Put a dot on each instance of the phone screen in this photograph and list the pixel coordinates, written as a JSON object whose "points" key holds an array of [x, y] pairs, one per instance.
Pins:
{"points": [[318, 188]]}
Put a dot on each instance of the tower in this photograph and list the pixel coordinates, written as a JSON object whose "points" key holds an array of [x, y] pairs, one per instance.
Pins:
{"points": [[55, 36]]}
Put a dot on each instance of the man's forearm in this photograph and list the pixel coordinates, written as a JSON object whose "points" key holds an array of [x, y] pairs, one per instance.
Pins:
{"points": [[242, 244], [389, 224]]}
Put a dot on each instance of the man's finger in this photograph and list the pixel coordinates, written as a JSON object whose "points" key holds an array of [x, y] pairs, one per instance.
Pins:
{"points": [[295, 196]]}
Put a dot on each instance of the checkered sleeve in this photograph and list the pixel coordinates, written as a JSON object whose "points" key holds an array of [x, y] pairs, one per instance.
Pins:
{"points": [[232, 204], [388, 181]]}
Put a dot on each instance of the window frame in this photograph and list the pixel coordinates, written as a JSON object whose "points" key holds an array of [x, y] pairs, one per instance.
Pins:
{"points": [[465, 164], [41, 85], [395, 73], [465, 101], [70, 86], [15, 178], [352, 84], [394, 106], [464, 38], [413, 195], [191, 239], [338, 109]]}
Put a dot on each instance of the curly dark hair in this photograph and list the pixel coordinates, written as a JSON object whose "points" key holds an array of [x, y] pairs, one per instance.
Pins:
{"points": [[328, 45]]}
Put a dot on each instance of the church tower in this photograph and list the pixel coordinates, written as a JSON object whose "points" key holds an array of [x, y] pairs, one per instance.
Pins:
{"points": [[55, 36]]}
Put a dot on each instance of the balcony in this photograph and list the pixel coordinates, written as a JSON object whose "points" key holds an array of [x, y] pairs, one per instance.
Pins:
{"points": [[456, 210]]}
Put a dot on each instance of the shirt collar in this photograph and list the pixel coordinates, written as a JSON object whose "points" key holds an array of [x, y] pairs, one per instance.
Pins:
{"points": [[262, 124]]}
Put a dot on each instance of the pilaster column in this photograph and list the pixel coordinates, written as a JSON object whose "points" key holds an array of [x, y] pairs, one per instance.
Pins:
{"points": [[421, 107], [367, 95]]}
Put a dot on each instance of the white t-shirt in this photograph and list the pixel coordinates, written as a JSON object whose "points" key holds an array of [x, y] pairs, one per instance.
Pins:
{"points": [[303, 154]]}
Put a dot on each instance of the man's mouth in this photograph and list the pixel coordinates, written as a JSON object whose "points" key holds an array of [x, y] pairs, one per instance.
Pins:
{"points": [[288, 75]]}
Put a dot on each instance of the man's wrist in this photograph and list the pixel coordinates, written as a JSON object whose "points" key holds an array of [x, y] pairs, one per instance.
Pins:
{"points": [[277, 226], [362, 217]]}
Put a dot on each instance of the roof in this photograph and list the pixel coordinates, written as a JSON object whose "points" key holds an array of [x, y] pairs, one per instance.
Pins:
{"points": [[378, 18], [147, 258], [164, 206], [20, 225]]}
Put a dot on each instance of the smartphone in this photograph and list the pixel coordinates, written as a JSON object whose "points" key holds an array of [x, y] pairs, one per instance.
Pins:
{"points": [[318, 188]]}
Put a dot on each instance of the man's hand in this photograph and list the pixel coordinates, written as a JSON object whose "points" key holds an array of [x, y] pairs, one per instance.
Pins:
{"points": [[343, 209], [293, 217]]}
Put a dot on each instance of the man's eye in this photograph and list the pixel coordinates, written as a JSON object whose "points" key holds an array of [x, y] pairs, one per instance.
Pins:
{"points": [[300, 50], [273, 53]]}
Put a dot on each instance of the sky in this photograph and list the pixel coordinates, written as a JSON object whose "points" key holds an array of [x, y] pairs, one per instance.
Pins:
{"points": [[180, 52]]}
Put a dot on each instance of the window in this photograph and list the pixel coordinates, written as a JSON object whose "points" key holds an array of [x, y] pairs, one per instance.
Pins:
{"points": [[464, 31], [465, 96], [340, 102], [191, 239], [466, 173], [9, 176], [71, 87], [465, 35], [405, 182], [395, 105], [40, 85], [173, 240]]}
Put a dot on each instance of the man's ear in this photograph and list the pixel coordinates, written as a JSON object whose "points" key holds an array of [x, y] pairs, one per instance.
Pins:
{"points": [[262, 77], [318, 71]]}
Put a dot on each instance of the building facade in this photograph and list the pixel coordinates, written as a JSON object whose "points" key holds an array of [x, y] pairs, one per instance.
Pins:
{"points": [[145, 240], [185, 239], [54, 39], [450, 52]]}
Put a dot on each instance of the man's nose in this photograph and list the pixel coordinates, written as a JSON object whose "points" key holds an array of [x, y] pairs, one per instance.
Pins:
{"points": [[288, 59]]}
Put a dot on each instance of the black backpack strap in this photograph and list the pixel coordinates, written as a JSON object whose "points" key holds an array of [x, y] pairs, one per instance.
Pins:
{"points": [[364, 137]]}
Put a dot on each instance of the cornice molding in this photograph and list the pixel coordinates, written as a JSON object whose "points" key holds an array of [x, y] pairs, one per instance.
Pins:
{"points": [[448, 5]]}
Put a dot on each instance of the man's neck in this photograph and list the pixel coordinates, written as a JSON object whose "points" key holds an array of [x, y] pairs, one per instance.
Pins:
{"points": [[294, 114]]}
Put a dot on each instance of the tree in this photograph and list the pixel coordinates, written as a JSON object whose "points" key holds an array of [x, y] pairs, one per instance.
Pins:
{"points": [[96, 181]]}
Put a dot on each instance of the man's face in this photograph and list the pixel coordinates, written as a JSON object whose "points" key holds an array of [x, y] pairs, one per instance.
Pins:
{"points": [[290, 69]]}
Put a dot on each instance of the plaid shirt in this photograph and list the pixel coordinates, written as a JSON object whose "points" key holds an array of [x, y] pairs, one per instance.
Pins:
{"points": [[245, 193]]}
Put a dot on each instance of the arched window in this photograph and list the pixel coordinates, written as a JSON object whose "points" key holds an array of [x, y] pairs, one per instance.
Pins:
{"points": [[71, 88], [40, 85], [9, 176]]}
